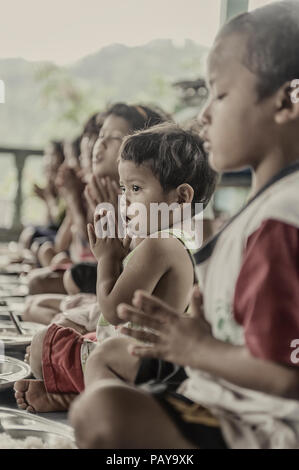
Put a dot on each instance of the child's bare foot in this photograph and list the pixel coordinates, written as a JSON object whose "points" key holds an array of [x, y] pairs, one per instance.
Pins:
{"points": [[32, 396]]}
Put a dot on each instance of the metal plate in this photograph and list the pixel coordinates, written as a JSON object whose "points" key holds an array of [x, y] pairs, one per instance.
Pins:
{"points": [[14, 268], [11, 370], [10, 337], [11, 299], [4, 316], [13, 290], [16, 307], [20, 425], [10, 279]]}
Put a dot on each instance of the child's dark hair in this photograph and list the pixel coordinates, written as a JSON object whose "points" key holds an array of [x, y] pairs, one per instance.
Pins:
{"points": [[92, 127], [272, 34], [175, 156], [58, 149], [75, 144], [139, 116]]}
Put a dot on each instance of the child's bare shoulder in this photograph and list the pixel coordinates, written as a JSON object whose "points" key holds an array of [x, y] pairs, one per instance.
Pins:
{"points": [[169, 250]]}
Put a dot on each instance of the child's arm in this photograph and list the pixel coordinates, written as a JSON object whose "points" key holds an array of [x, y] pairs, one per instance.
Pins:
{"points": [[63, 237], [72, 187], [150, 261], [189, 342]]}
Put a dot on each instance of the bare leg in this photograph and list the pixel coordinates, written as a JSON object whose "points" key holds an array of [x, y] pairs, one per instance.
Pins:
{"points": [[34, 248], [112, 415], [26, 237], [45, 281], [36, 354], [42, 308], [61, 258], [111, 360], [69, 283], [46, 253]]}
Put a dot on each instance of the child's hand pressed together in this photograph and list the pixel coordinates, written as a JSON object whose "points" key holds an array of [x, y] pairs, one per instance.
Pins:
{"points": [[109, 243], [178, 339], [68, 180], [102, 190]]}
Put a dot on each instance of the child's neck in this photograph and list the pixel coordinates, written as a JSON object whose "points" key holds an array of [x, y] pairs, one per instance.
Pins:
{"points": [[186, 224], [269, 167]]}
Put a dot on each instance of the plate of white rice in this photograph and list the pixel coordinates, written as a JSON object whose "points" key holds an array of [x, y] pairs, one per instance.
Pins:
{"points": [[20, 430], [11, 370]]}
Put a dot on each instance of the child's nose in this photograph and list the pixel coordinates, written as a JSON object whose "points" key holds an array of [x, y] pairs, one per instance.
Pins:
{"points": [[204, 117], [101, 143], [125, 201], [128, 200]]}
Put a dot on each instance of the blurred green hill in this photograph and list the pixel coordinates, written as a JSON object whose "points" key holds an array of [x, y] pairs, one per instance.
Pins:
{"points": [[45, 101]]}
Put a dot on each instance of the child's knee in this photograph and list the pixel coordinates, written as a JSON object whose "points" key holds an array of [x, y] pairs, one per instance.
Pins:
{"points": [[69, 283], [46, 253], [106, 350], [26, 237], [60, 258], [36, 354], [113, 355], [94, 407], [34, 247]]}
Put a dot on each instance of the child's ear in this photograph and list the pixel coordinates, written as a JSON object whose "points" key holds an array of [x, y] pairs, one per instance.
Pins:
{"points": [[185, 193], [287, 103]]}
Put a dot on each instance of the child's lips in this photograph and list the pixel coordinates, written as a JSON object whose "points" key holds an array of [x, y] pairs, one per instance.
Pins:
{"points": [[206, 142]]}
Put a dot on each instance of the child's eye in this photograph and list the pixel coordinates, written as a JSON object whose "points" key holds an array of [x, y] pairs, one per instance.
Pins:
{"points": [[135, 188], [220, 97], [122, 189]]}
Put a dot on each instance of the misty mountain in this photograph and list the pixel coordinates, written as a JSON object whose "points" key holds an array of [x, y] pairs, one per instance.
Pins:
{"points": [[116, 72]]}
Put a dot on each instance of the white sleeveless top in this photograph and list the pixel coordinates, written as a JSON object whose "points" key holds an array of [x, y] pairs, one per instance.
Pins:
{"points": [[275, 420]]}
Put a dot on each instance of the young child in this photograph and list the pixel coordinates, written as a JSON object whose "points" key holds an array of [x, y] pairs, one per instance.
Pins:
{"points": [[243, 384], [120, 120], [161, 165]]}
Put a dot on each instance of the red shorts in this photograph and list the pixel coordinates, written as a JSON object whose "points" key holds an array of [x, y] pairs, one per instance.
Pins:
{"points": [[62, 369]]}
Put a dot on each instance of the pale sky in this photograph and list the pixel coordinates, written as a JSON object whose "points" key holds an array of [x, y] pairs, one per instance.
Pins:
{"points": [[66, 30]]}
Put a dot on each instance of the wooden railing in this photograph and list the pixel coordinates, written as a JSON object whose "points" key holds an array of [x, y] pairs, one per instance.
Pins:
{"points": [[20, 156], [241, 179]]}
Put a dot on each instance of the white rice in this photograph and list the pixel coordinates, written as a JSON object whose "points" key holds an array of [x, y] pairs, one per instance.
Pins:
{"points": [[32, 442]]}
